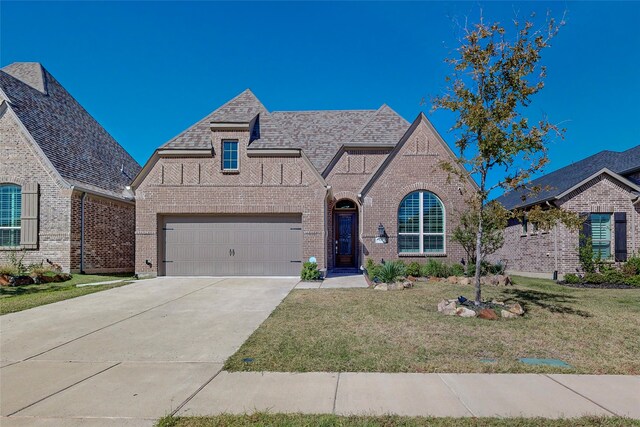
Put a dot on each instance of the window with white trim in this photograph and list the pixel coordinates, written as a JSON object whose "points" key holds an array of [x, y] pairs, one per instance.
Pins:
{"points": [[421, 224], [230, 155], [10, 211]]}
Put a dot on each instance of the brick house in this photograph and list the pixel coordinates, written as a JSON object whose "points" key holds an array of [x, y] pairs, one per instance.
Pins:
{"points": [[63, 179], [246, 191], [604, 189]]}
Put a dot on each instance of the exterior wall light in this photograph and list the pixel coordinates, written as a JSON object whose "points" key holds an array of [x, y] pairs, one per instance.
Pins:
{"points": [[382, 235]]}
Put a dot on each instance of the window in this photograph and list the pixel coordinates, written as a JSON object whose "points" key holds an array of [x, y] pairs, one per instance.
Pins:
{"points": [[524, 226], [601, 235], [345, 204], [10, 210], [421, 224], [230, 155]]}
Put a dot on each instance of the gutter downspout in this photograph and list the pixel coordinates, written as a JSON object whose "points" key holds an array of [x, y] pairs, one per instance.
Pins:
{"points": [[84, 195], [555, 242], [634, 226]]}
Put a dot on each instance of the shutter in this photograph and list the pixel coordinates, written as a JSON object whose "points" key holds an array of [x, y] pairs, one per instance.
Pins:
{"points": [[621, 235], [585, 233], [29, 216]]}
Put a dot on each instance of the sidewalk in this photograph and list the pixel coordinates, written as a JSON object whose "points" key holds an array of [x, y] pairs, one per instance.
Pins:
{"points": [[437, 395]]}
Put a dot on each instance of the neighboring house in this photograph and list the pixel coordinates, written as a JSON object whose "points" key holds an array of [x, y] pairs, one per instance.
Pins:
{"points": [[63, 179], [604, 189], [246, 191]]}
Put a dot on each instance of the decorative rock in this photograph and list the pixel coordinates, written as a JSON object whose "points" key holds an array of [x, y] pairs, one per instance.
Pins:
{"points": [[488, 314], [516, 309], [5, 280], [452, 279], [447, 307], [504, 280], [20, 281], [382, 287], [464, 281], [411, 279], [497, 302], [465, 312], [407, 284], [507, 314]]}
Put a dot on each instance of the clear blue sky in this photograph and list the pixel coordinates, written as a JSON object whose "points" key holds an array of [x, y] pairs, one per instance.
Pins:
{"points": [[148, 70]]}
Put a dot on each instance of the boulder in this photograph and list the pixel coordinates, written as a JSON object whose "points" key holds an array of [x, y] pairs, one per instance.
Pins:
{"points": [[407, 284], [447, 307], [496, 302], [465, 312], [507, 314], [488, 314], [411, 279], [382, 287], [5, 280], [516, 308], [503, 280], [464, 281], [452, 279]]}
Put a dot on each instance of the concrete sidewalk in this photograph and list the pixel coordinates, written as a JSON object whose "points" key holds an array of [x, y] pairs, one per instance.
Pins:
{"points": [[436, 395]]}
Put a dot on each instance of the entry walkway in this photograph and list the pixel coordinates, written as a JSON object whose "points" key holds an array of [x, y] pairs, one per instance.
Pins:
{"points": [[436, 395], [336, 281]]}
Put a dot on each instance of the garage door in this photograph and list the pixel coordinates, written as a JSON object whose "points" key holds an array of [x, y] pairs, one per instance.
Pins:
{"points": [[232, 245]]}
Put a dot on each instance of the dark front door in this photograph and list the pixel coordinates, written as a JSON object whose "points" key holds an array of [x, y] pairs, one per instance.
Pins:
{"points": [[345, 236]]}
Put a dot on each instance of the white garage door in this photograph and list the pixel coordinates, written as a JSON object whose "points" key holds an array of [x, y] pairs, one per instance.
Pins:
{"points": [[232, 245]]}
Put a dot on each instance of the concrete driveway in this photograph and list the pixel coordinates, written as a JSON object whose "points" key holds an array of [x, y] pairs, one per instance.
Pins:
{"points": [[129, 355]]}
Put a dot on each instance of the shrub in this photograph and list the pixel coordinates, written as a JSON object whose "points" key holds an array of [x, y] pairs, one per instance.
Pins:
{"points": [[613, 276], [8, 270], [432, 268], [373, 269], [595, 278], [633, 280], [391, 271], [585, 255], [310, 271], [413, 269], [633, 265], [571, 278], [37, 269], [15, 261], [457, 270]]}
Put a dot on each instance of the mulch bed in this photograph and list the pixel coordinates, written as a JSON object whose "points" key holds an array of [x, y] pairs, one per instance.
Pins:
{"points": [[598, 285]]}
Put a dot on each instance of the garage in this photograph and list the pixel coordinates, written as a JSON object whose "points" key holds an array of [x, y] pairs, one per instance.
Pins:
{"points": [[265, 245]]}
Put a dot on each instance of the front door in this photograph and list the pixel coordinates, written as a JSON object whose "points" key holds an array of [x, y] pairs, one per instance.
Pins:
{"points": [[345, 239]]}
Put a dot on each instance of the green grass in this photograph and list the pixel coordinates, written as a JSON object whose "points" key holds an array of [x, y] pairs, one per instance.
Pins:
{"points": [[300, 420], [20, 298], [363, 330]]}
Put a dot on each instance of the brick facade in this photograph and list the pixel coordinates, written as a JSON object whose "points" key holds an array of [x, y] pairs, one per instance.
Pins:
{"points": [[109, 224], [263, 185], [557, 250]]}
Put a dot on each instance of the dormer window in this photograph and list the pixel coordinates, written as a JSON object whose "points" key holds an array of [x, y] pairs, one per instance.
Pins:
{"points": [[229, 155]]}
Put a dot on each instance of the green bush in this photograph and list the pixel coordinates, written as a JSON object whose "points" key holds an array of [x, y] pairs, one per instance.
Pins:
{"points": [[373, 269], [571, 278], [8, 270], [632, 265], [432, 268], [613, 276], [633, 280], [585, 255], [457, 270], [391, 271], [595, 278], [16, 263], [413, 269], [310, 271]]}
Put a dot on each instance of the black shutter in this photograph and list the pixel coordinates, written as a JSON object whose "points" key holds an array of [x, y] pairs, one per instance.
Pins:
{"points": [[585, 233], [621, 235]]}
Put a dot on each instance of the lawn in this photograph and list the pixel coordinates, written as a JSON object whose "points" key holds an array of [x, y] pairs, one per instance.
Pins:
{"points": [[354, 330], [20, 298], [299, 420]]}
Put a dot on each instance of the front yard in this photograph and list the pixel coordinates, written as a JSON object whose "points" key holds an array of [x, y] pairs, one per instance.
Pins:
{"points": [[349, 330], [20, 298]]}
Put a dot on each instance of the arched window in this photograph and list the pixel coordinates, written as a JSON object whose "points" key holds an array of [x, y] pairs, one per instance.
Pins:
{"points": [[421, 224], [10, 210]]}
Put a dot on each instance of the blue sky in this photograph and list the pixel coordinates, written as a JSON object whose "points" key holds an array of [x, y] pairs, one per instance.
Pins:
{"points": [[148, 70]]}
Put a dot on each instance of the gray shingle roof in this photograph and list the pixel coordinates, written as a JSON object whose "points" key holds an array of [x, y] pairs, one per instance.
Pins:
{"points": [[79, 148], [559, 181], [320, 134]]}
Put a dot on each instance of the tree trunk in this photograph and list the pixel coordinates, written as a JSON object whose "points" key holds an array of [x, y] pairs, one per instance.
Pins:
{"points": [[478, 297]]}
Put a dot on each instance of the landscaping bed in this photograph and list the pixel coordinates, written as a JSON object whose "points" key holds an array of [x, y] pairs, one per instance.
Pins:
{"points": [[593, 331]]}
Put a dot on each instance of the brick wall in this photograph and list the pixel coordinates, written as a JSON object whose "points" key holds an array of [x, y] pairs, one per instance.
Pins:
{"points": [[414, 167], [109, 242], [20, 163], [558, 249], [199, 186]]}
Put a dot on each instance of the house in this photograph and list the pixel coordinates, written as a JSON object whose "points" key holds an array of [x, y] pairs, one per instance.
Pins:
{"points": [[246, 191], [63, 179], [604, 189]]}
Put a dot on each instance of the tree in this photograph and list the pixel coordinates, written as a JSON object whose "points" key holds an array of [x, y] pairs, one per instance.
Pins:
{"points": [[493, 81], [494, 220]]}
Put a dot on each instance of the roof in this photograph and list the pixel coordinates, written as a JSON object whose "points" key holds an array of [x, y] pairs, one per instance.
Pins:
{"points": [[319, 134], [77, 146], [558, 182]]}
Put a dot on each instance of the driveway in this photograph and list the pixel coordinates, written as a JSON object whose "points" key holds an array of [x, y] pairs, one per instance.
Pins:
{"points": [[129, 355]]}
